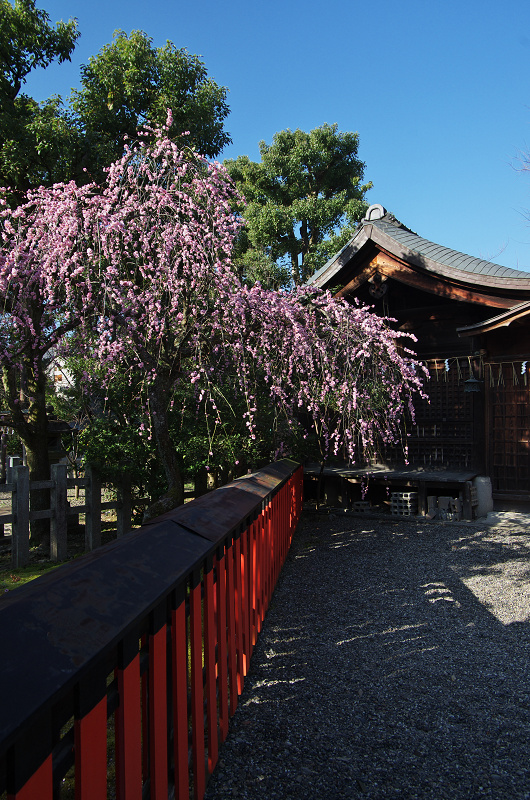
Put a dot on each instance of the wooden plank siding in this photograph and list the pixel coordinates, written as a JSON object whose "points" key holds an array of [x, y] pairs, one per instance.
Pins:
{"points": [[508, 429]]}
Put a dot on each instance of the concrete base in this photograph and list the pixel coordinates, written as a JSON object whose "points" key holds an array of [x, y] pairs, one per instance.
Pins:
{"points": [[484, 496]]}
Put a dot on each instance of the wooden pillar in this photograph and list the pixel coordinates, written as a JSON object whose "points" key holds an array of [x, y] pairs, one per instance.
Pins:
{"points": [[20, 511], [93, 510], [59, 519], [480, 432], [123, 512]]}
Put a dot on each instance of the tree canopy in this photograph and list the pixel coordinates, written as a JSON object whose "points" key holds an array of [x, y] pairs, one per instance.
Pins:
{"points": [[130, 83], [27, 41], [302, 195], [35, 139]]}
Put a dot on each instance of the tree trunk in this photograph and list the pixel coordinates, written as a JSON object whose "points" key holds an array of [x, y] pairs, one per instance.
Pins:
{"points": [[159, 403], [27, 404], [295, 271]]}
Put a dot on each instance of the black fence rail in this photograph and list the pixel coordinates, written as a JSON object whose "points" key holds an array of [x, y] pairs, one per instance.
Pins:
{"points": [[120, 670]]}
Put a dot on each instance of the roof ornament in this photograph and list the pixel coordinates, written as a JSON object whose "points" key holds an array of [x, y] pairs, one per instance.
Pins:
{"points": [[377, 285], [375, 211]]}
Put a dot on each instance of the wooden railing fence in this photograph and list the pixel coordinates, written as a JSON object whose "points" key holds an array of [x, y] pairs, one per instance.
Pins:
{"points": [[61, 510], [120, 669]]}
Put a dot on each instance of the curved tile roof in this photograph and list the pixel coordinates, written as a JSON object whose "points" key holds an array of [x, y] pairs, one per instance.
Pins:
{"points": [[442, 255]]}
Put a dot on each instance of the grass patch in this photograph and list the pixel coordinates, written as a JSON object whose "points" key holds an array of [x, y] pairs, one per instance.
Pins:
{"points": [[40, 564], [13, 578]]}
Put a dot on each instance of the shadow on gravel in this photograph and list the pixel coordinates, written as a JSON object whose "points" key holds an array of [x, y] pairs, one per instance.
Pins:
{"points": [[393, 663]]}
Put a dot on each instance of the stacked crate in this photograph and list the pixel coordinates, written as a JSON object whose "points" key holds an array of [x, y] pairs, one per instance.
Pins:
{"points": [[404, 504]]}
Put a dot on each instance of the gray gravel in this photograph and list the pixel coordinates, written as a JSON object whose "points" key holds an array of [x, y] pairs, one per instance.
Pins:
{"points": [[393, 664]]}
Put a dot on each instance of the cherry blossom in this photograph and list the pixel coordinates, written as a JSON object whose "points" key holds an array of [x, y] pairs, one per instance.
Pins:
{"points": [[141, 268]]}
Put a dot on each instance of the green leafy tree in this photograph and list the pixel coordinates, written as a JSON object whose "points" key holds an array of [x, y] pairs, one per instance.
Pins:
{"points": [[306, 190], [128, 83], [35, 139], [131, 82]]}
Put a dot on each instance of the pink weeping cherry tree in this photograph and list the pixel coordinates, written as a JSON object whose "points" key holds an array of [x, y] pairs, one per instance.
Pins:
{"points": [[142, 268]]}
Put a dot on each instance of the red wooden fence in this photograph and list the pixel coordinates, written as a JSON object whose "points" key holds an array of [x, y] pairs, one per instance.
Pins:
{"points": [[122, 668]]}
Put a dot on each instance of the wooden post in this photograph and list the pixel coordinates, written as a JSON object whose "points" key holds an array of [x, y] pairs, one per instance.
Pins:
{"points": [[123, 512], [93, 512], [59, 506], [3, 457], [467, 504], [201, 482], [20, 524], [3, 464]]}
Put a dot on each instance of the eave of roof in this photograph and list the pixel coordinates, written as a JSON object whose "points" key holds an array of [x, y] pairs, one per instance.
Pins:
{"points": [[513, 314], [393, 237]]}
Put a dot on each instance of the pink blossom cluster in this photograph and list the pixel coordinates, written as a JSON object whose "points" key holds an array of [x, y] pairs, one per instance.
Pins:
{"points": [[338, 367]]}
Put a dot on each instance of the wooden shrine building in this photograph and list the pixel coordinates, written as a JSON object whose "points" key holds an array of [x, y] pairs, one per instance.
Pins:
{"points": [[472, 322]]}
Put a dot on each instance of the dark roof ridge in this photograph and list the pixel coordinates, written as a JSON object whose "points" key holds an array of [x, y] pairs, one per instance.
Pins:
{"points": [[389, 217], [382, 228]]}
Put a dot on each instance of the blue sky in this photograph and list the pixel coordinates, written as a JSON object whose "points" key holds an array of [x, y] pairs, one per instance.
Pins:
{"points": [[438, 92]]}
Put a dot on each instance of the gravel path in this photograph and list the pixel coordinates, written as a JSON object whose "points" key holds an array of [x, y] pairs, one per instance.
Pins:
{"points": [[393, 664]]}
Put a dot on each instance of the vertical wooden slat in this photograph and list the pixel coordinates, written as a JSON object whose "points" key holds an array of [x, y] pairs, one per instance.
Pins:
{"points": [[231, 626], [29, 761], [90, 732], [252, 586], [267, 560], [58, 521], [197, 690], [91, 754], [158, 741], [210, 638], [93, 514], [260, 550], [278, 534], [144, 688], [285, 521], [128, 723], [124, 510], [180, 694], [238, 613], [20, 511], [40, 785], [222, 653], [274, 542], [245, 594]]}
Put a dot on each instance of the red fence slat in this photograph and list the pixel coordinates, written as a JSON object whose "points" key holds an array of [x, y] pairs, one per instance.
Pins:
{"points": [[197, 688], [231, 627], [210, 640], [222, 654], [128, 725], [91, 754], [39, 785], [180, 696], [158, 766]]}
